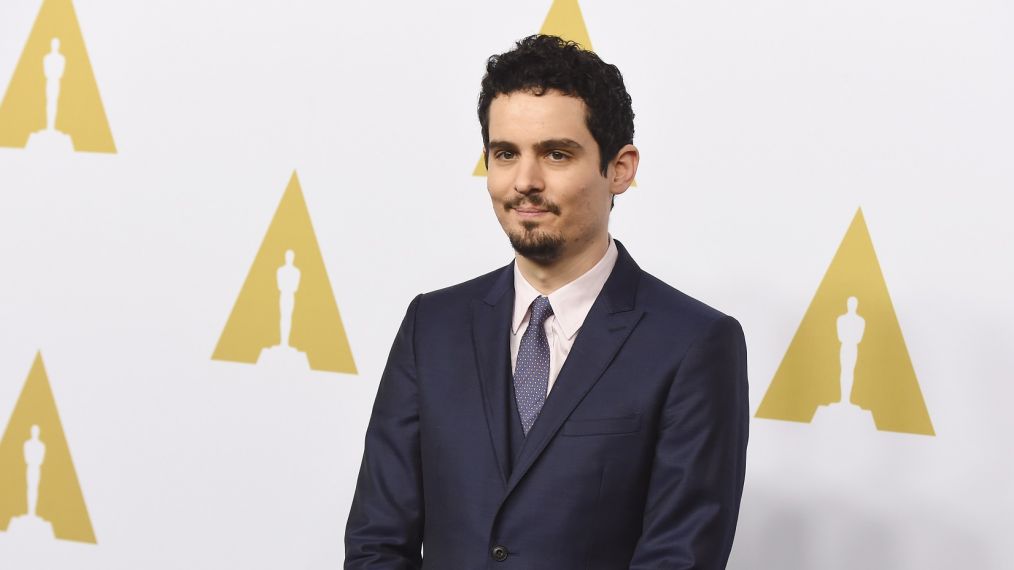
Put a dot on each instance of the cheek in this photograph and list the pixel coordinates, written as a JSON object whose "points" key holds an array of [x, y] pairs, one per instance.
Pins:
{"points": [[497, 186], [589, 207], [497, 198]]}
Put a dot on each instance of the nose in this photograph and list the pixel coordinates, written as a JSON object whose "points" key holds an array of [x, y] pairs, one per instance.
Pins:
{"points": [[528, 176]]}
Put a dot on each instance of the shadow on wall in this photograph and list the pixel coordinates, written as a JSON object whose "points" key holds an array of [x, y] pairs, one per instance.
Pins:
{"points": [[785, 533]]}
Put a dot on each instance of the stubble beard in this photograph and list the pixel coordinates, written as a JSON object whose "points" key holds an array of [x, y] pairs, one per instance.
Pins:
{"points": [[531, 242], [535, 244]]}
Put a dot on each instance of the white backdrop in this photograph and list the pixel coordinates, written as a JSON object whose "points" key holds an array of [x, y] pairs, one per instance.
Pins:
{"points": [[763, 126]]}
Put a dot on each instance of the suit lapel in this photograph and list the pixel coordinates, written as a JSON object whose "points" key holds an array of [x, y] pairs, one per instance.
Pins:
{"points": [[491, 321], [610, 321]]}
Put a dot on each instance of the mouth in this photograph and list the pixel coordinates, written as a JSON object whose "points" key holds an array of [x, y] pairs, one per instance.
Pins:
{"points": [[532, 208], [530, 212]]}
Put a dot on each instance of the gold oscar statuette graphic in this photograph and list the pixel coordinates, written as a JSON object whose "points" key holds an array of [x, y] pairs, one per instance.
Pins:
{"points": [[52, 101], [564, 20], [286, 315], [848, 358], [40, 496]]}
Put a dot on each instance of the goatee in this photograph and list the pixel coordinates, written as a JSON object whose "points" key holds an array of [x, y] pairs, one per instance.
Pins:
{"points": [[538, 246]]}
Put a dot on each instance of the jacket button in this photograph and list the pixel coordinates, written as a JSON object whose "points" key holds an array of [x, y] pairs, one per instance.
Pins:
{"points": [[499, 553]]}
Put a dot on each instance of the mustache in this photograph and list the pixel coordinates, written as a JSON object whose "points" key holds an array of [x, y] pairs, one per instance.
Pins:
{"points": [[535, 200]]}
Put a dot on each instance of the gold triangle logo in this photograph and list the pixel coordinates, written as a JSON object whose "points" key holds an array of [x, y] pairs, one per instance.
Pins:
{"points": [[39, 491], [564, 20], [849, 353], [53, 100], [286, 312]]}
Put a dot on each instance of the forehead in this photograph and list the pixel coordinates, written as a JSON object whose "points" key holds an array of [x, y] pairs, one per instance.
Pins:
{"points": [[523, 116]]}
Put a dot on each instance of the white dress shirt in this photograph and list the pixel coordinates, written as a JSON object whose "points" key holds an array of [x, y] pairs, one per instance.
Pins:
{"points": [[570, 303]]}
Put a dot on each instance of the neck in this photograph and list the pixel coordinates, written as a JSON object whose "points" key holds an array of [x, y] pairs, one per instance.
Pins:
{"points": [[548, 277]]}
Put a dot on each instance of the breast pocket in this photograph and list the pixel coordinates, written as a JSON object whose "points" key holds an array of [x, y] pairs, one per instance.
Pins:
{"points": [[602, 426]]}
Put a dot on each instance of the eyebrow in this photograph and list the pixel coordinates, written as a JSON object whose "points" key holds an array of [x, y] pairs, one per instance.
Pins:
{"points": [[553, 144], [541, 146], [502, 145]]}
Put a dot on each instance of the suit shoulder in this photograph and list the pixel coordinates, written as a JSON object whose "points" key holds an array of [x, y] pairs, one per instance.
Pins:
{"points": [[460, 295], [676, 306]]}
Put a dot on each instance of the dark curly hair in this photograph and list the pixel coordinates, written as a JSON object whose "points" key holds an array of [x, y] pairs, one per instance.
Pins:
{"points": [[541, 63]]}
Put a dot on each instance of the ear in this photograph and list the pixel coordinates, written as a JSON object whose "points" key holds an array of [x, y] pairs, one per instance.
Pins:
{"points": [[623, 169]]}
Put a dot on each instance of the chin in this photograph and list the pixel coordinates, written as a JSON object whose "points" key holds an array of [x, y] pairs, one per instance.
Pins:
{"points": [[539, 246]]}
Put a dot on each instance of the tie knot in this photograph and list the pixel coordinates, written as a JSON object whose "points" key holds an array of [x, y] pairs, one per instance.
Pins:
{"points": [[541, 309]]}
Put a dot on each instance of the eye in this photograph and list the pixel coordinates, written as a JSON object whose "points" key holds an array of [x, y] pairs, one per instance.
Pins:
{"points": [[504, 155], [556, 155]]}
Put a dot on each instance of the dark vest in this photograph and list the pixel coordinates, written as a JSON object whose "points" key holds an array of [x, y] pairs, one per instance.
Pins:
{"points": [[517, 433]]}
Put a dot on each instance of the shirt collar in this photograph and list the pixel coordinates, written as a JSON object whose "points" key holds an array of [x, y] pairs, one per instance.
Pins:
{"points": [[571, 302]]}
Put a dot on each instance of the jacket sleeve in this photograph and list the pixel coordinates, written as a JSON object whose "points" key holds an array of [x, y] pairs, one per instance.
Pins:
{"points": [[700, 458], [385, 526]]}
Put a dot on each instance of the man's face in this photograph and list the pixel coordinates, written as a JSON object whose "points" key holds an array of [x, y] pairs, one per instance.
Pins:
{"points": [[544, 177]]}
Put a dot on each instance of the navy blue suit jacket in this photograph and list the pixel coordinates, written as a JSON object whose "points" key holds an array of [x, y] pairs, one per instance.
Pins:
{"points": [[636, 460]]}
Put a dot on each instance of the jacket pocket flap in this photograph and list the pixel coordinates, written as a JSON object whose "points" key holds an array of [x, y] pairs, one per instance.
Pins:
{"points": [[602, 426]]}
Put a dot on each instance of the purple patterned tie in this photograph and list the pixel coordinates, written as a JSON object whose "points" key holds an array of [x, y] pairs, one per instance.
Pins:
{"points": [[531, 371]]}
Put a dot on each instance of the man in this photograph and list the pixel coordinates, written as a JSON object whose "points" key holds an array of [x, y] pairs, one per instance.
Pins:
{"points": [[568, 410]]}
